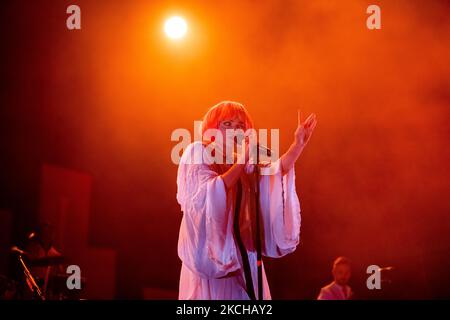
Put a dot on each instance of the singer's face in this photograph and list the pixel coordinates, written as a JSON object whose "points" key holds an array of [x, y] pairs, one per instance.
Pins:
{"points": [[231, 125], [342, 273]]}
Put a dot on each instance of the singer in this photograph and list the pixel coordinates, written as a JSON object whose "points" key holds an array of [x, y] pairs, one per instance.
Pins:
{"points": [[223, 232]]}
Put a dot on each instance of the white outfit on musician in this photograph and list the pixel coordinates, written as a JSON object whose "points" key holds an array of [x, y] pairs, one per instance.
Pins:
{"points": [[212, 266]]}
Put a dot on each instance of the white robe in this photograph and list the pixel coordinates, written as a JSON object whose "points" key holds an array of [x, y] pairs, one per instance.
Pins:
{"points": [[211, 261]]}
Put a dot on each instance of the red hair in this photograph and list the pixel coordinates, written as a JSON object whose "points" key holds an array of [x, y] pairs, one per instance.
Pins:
{"points": [[223, 111]]}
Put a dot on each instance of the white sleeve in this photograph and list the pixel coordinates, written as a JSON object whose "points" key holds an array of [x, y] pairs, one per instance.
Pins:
{"points": [[206, 243], [280, 211]]}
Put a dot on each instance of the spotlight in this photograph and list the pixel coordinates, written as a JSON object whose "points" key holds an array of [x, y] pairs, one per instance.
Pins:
{"points": [[175, 27]]}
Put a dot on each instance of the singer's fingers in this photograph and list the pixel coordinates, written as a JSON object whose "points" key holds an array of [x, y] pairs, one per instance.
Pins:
{"points": [[299, 115], [310, 119], [313, 121], [310, 132], [313, 125]]}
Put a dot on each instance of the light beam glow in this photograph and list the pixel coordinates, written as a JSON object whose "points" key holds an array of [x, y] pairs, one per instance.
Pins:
{"points": [[175, 27]]}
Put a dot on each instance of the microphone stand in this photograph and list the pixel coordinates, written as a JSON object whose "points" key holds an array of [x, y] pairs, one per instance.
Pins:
{"points": [[31, 282], [258, 231]]}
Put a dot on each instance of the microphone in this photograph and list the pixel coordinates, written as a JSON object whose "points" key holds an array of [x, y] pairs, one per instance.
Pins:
{"points": [[258, 146], [15, 249], [264, 148]]}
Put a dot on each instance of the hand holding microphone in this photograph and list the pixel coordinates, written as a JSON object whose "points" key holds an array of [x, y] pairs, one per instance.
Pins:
{"points": [[252, 148]]}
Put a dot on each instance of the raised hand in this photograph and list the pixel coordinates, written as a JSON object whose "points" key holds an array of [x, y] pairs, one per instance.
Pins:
{"points": [[304, 130], [301, 137]]}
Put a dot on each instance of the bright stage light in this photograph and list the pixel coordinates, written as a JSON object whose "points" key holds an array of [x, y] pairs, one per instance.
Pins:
{"points": [[175, 27]]}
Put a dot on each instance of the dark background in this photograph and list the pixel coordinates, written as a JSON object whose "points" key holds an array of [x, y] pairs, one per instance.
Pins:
{"points": [[104, 100]]}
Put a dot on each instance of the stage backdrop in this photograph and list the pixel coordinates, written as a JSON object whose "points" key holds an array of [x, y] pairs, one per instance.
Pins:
{"points": [[86, 118]]}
